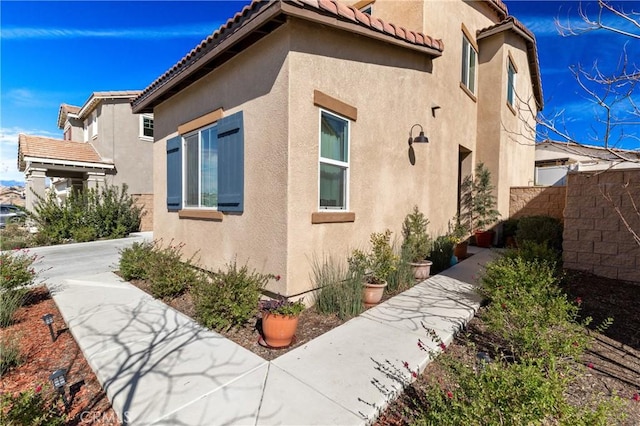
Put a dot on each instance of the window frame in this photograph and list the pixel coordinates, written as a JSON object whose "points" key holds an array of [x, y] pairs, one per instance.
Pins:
{"points": [[512, 72], [345, 165], [468, 49], [184, 176], [141, 126]]}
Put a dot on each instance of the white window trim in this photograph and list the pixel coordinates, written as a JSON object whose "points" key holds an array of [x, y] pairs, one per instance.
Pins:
{"points": [[511, 69], [141, 127], [184, 169], [467, 64], [94, 124], [324, 160]]}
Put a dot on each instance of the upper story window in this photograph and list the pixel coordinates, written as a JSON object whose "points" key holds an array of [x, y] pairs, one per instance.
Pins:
{"points": [[511, 82], [146, 126], [334, 161], [200, 161], [469, 60], [94, 124]]}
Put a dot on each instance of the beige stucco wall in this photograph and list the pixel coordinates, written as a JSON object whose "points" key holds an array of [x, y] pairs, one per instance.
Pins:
{"points": [[118, 140], [392, 88], [255, 82]]}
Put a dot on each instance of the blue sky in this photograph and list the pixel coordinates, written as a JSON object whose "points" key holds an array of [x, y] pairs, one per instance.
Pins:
{"points": [[60, 52]]}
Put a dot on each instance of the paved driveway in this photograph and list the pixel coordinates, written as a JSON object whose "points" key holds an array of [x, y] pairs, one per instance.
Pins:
{"points": [[74, 260]]}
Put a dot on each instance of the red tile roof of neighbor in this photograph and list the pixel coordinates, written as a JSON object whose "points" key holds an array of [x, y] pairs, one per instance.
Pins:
{"points": [[56, 149], [262, 12]]}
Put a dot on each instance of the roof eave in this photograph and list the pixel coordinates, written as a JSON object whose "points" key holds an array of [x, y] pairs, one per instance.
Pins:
{"points": [[274, 11]]}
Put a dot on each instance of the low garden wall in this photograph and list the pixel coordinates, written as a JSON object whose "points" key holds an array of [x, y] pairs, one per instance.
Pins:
{"points": [[601, 210], [537, 200]]}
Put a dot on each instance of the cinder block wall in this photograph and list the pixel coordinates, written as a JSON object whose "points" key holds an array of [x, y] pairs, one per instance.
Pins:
{"points": [[537, 200], [146, 202], [596, 238]]}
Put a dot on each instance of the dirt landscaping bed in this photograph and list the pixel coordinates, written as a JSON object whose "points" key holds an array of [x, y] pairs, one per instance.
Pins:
{"points": [[39, 357]]}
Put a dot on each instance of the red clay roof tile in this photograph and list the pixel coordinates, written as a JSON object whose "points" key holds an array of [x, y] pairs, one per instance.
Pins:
{"points": [[57, 149]]}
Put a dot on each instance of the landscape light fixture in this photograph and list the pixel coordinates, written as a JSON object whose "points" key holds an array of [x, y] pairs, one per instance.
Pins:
{"points": [[59, 380], [48, 320], [421, 138]]}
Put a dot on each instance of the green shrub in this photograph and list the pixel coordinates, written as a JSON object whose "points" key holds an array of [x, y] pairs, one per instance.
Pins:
{"points": [[14, 236], [529, 310], [540, 229], [9, 353], [168, 274], [402, 276], [16, 269], [30, 408], [416, 243], [441, 254], [378, 264], [532, 251], [135, 260], [337, 290], [109, 212], [228, 298], [10, 302]]}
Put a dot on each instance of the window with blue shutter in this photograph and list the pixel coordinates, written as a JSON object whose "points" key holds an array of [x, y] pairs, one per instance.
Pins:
{"points": [[231, 163], [174, 174]]}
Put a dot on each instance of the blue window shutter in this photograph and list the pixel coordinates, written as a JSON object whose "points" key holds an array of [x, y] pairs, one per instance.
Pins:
{"points": [[174, 174], [231, 163]]}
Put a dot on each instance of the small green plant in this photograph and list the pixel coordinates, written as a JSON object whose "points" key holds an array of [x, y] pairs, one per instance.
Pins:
{"points": [[540, 229], [134, 260], [457, 230], [416, 242], [376, 265], [338, 290], [169, 275], [542, 252], [9, 353], [402, 277], [228, 298], [84, 234], [282, 306], [477, 200], [10, 302], [441, 253], [14, 236], [16, 269], [30, 408]]}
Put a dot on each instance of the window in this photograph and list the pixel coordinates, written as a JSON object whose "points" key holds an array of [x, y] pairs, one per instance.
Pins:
{"points": [[146, 126], [469, 59], [205, 168], [511, 83], [94, 124], [334, 161], [201, 168], [367, 9]]}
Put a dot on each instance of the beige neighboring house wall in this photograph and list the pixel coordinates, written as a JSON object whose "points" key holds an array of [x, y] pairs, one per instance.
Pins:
{"points": [[384, 85]]}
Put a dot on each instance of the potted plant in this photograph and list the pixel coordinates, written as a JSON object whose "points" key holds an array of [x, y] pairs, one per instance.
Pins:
{"points": [[375, 266], [416, 244], [479, 204], [458, 232], [280, 320]]}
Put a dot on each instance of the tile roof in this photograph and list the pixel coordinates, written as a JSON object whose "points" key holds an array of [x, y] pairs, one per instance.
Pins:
{"points": [[512, 23], [64, 111], [304, 9], [55, 149]]}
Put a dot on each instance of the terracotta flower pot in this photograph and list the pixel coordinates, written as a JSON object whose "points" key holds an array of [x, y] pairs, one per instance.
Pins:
{"points": [[484, 238], [421, 270], [460, 250], [278, 330], [372, 294]]}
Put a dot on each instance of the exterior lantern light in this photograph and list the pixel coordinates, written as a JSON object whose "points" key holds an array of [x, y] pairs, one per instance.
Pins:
{"points": [[421, 138], [59, 380], [48, 320]]}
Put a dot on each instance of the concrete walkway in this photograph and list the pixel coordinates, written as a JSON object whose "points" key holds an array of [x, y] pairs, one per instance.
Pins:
{"points": [[157, 366]]}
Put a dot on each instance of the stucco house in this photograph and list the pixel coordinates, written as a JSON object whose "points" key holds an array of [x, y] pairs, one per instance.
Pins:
{"points": [[554, 159], [103, 142], [295, 129]]}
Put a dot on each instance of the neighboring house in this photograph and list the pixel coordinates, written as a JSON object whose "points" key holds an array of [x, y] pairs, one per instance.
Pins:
{"points": [[12, 195], [555, 159], [282, 137], [104, 143]]}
